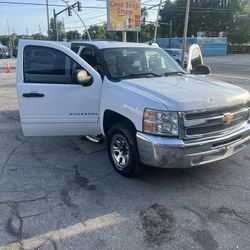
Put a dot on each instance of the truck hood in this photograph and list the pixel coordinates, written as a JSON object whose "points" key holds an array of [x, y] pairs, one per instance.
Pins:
{"points": [[184, 93]]}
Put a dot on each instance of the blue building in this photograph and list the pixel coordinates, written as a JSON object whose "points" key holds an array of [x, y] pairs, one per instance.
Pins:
{"points": [[210, 46]]}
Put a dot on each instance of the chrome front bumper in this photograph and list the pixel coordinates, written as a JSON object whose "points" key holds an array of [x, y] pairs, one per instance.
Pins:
{"points": [[175, 153]]}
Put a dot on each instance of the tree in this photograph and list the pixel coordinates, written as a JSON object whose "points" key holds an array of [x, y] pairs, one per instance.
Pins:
{"points": [[60, 29], [147, 28], [245, 4], [10, 41], [100, 32], [39, 36], [241, 32], [5, 40], [210, 16], [73, 35]]}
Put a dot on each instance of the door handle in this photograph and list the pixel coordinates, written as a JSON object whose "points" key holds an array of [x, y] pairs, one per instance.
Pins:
{"points": [[33, 94]]}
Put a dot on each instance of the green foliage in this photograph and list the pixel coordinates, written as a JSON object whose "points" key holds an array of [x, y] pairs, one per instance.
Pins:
{"points": [[73, 35], [5, 40], [39, 36], [199, 20], [10, 41], [100, 32], [240, 32], [247, 9], [147, 29], [60, 29], [205, 16]]}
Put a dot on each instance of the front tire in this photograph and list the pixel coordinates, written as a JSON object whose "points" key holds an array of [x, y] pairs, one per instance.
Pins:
{"points": [[122, 150]]}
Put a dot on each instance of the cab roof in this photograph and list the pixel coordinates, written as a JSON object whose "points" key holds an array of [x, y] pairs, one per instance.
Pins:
{"points": [[113, 44], [98, 44]]}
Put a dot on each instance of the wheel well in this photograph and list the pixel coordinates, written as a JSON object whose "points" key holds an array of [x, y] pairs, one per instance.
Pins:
{"points": [[111, 118]]}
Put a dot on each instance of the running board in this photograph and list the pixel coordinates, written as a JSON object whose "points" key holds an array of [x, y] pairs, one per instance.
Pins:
{"points": [[95, 139]]}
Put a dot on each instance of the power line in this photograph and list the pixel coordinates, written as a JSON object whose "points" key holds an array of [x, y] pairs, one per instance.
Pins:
{"points": [[180, 7], [207, 11], [92, 17], [26, 3], [104, 8], [78, 27], [199, 8], [50, 5]]}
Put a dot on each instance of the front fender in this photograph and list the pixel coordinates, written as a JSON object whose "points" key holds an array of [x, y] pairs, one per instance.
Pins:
{"points": [[126, 102]]}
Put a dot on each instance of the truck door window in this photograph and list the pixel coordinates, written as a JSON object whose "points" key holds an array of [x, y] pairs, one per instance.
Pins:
{"points": [[89, 56], [48, 65]]}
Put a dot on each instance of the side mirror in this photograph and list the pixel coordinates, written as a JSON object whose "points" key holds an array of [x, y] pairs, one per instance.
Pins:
{"points": [[82, 77], [200, 70]]}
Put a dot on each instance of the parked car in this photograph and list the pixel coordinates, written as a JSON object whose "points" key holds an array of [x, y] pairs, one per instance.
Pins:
{"points": [[176, 54], [4, 51], [149, 109]]}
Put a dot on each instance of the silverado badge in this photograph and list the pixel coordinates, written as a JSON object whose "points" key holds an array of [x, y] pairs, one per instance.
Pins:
{"points": [[227, 118]]}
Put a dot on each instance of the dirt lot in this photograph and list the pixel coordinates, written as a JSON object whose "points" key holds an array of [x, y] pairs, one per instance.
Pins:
{"points": [[62, 193]]}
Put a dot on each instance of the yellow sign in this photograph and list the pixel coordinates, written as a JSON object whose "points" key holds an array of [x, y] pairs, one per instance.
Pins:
{"points": [[124, 15]]}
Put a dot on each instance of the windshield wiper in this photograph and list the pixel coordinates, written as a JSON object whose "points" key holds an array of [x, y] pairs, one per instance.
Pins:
{"points": [[141, 74], [174, 73]]}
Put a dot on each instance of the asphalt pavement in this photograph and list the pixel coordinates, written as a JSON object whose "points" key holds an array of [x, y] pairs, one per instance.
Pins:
{"points": [[62, 193], [234, 69], [10, 61]]}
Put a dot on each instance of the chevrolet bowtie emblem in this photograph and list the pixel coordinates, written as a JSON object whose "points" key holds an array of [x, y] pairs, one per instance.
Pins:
{"points": [[227, 118]]}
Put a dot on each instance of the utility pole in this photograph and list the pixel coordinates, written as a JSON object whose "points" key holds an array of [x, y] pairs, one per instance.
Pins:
{"points": [[170, 32], [157, 21], [40, 33], [8, 27], [13, 40], [69, 8], [124, 36], [55, 25], [63, 25], [47, 10], [184, 42]]}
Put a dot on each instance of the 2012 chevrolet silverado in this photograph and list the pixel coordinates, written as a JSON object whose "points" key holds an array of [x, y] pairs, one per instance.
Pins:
{"points": [[149, 109]]}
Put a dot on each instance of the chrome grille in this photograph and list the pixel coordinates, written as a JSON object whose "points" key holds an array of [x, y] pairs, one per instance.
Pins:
{"points": [[211, 129], [210, 122], [209, 114]]}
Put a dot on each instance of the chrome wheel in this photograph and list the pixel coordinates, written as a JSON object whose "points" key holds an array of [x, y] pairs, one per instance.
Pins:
{"points": [[120, 151]]}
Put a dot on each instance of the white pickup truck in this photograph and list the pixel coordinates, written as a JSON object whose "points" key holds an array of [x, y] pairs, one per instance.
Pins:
{"points": [[150, 110]]}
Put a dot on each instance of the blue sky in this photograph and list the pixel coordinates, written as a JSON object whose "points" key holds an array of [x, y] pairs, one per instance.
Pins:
{"points": [[23, 18]]}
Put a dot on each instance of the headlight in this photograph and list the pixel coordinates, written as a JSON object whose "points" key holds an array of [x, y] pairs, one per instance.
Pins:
{"points": [[160, 122]]}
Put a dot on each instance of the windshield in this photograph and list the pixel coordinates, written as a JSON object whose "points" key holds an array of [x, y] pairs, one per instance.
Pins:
{"points": [[139, 62]]}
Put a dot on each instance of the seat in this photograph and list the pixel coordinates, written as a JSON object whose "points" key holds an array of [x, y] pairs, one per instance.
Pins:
{"points": [[92, 61]]}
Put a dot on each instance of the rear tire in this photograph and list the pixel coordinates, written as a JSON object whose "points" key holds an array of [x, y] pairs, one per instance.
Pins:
{"points": [[122, 150]]}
